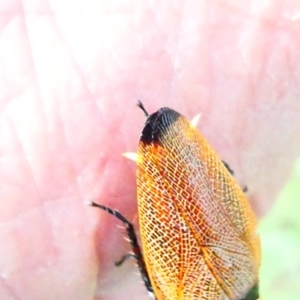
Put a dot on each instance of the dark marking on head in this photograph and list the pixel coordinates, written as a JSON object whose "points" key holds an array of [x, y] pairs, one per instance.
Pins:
{"points": [[157, 125]]}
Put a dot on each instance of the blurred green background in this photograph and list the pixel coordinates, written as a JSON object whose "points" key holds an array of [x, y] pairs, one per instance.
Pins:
{"points": [[280, 237]]}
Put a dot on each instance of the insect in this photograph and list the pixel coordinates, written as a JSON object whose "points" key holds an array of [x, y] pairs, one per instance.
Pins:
{"points": [[198, 231]]}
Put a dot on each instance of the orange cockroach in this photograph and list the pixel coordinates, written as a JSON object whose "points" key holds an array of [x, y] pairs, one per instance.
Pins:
{"points": [[198, 230]]}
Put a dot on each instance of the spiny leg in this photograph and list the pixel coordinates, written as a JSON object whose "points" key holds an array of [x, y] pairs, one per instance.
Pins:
{"points": [[245, 188], [136, 249]]}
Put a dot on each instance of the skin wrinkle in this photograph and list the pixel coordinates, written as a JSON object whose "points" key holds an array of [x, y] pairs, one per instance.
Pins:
{"points": [[45, 127], [93, 141], [27, 164], [176, 79], [30, 261], [73, 57], [6, 290]]}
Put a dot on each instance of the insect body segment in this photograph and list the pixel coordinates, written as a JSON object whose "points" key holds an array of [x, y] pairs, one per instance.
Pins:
{"points": [[198, 231], [197, 228]]}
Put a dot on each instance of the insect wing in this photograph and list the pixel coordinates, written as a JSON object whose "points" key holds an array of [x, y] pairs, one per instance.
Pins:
{"points": [[198, 231]]}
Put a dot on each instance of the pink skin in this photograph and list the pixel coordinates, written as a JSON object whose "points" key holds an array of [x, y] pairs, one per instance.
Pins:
{"points": [[70, 75]]}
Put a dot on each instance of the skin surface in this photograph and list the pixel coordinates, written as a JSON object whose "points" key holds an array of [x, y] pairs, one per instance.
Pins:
{"points": [[70, 75]]}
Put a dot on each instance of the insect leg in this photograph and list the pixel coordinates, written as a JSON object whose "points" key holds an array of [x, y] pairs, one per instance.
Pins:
{"points": [[245, 188], [227, 167], [125, 257], [136, 249]]}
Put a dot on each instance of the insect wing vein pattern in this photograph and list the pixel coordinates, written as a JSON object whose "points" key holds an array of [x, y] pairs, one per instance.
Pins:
{"points": [[198, 231]]}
